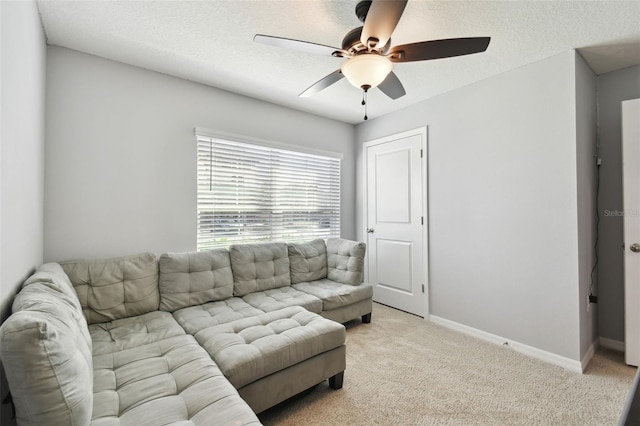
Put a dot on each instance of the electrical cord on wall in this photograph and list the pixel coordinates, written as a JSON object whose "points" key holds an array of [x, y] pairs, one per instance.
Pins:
{"points": [[592, 298]]}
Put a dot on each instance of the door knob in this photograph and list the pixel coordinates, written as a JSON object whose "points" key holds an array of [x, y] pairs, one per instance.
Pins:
{"points": [[635, 247], [370, 231]]}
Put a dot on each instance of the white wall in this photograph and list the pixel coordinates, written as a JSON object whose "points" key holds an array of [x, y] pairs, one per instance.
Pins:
{"points": [[503, 243], [586, 135], [22, 71], [613, 88], [121, 154], [22, 145]]}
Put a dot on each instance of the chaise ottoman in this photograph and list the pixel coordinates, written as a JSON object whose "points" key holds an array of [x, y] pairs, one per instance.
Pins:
{"points": [[271, 356]]}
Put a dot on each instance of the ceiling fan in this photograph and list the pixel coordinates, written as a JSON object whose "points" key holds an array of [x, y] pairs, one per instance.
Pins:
{"points": [[368, 52]]}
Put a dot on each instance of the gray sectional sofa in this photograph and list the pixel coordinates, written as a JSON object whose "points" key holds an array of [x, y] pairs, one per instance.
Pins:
{"points": [[198, 338]]}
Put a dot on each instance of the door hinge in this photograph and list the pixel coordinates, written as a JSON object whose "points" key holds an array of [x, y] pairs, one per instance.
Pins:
{"points": [[423, 288], [421, 153], [421, 220]]}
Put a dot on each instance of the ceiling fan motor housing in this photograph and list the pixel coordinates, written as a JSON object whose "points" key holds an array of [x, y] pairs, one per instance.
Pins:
{"points": [[351, 43]]}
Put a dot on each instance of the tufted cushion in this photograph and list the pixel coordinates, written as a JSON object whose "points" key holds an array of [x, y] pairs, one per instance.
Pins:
{"points": [[125, 333], [308, 261], [335, 295], [52, 276], [46, 352], [195, 318], [258, 267], [345, 260], [188, 279], [251, 348], [283, 297], [170, 382], [115, 288]]}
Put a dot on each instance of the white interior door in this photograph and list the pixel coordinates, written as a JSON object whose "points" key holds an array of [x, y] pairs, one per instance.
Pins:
{"points": [[395, 213], [631, 194]]}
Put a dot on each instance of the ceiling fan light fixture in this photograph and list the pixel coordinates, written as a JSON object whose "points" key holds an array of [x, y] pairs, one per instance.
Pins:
{"points": [[368, 69]]}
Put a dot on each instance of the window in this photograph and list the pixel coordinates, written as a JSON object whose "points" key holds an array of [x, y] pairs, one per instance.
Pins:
{"points": [[253, 193]]}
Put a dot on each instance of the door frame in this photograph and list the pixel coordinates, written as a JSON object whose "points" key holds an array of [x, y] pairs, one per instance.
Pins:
{"points": [[630, 161], [422, 132]]}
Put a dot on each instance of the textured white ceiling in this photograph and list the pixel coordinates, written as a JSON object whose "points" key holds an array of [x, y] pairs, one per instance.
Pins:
{"points": [[211, 42]]}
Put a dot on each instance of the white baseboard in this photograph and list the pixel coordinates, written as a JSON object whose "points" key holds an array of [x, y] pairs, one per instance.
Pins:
{"points": [[615, 345], [568, 363], [590, 353]]}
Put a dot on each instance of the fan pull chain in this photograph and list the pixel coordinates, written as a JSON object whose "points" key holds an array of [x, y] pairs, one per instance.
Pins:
{"points": [[364, 102]]}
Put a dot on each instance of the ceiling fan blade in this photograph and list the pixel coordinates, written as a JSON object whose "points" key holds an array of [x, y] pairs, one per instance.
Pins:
{"points": [[436, 49], [299, 45], [381, 20], [392, 87], [322, 84]]}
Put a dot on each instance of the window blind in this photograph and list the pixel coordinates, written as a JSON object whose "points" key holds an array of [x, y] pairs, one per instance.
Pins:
{"points": [[252, 193]]}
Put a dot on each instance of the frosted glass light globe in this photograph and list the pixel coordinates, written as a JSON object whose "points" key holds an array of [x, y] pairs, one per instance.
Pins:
{"points": [[368, 69]]}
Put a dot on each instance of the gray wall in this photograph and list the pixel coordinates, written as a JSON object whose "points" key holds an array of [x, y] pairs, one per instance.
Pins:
{"points": [[613, 88], [586, 140], [502, 194], [121, 154], [21, 151]]}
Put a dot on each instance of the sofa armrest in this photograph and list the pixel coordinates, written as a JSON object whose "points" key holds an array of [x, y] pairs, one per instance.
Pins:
{"points": [[46, 351], [345, 261]]}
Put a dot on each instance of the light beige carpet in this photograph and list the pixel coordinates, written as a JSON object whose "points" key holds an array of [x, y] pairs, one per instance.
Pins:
{"points": [[403, 370]]}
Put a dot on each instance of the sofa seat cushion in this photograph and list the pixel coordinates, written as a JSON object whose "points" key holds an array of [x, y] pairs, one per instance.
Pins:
{"points": [[126, 333], [249, 349], [335, 295], [195, 318], [169, 382], [278, 298]]}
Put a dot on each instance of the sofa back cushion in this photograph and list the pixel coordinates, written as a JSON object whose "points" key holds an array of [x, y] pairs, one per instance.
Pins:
{"points": [[308, 261], [194, 278], [115, 288], [46, 352], [345, 260], [52, 276], [258, 267]]}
